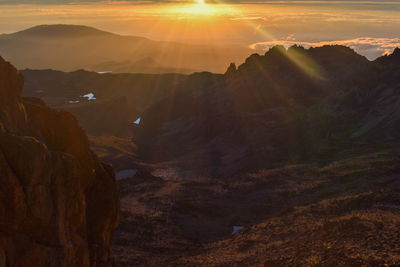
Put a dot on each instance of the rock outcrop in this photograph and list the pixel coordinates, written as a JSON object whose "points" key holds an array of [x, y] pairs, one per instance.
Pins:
{"points": [[58, 202]]}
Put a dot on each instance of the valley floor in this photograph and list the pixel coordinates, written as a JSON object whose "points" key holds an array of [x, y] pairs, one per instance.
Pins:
{"points": [[346, 213]]}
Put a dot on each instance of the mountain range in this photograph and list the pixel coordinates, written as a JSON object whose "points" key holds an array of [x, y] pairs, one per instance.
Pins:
{"points": [[288, 105], [293, 105], [288, 159]]}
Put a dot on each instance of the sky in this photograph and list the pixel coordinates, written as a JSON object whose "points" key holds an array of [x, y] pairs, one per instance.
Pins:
{"points": [[370, 27]]}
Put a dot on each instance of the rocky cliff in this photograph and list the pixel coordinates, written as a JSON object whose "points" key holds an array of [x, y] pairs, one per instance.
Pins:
{"points": [[58, 202]]}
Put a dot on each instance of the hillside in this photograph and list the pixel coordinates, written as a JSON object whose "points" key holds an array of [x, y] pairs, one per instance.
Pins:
{"points": [[291, 159], [292, 105]]}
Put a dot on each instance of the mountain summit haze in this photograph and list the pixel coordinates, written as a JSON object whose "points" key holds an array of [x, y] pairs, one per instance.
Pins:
{"points": [[72, 47]]}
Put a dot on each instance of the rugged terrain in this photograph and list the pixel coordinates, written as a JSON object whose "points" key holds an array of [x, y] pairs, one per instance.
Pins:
{"points": [[58, 202], [289, 159], [297, 146]]}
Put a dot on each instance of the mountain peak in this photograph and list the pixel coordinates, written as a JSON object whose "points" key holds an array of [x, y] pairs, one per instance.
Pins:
{"points": [[396, 51], [61, 30], [390, 59], [231, 69]]}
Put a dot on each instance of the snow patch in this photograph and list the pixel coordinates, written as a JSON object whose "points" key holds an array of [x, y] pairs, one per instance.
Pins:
{"points": [[137, 121], [73, 101], [89, 96], [236, 229], [104, 72], [125, 174]]}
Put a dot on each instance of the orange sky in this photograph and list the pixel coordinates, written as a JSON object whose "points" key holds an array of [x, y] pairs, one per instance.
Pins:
{"points": [[247, 24]]}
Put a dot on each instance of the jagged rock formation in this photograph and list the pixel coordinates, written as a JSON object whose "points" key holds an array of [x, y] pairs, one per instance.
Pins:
{"points": [[58, 203], [289, 105], [231, 69]]}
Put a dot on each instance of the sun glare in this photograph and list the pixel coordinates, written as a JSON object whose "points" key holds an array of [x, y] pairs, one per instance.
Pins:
{"points": [[200, 7]]}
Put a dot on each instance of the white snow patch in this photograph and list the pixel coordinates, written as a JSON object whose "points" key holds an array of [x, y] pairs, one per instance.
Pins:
{"points": [[73, 101], [89, 96], [236, 229], [104, 72], [125, 174], [137, 121]]}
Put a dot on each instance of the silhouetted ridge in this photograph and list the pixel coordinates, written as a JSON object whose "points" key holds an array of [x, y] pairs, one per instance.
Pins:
{"points": [[317, 59]]}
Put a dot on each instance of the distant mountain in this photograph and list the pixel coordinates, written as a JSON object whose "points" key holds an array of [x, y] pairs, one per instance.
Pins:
{"points": [[72, 47], [60, 31]]}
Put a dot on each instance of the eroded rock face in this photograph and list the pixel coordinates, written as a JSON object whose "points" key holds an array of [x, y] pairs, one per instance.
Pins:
{"points": [[58, 202]]}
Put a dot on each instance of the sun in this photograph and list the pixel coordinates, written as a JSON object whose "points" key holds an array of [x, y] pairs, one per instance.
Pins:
{"points": [[201, 9]]}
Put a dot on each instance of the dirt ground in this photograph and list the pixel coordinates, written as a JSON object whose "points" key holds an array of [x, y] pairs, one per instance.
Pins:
{"points": [[346, 213]]}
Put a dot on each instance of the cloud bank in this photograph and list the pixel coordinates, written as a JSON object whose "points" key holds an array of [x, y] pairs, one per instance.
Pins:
{"points": [[367, 46]]}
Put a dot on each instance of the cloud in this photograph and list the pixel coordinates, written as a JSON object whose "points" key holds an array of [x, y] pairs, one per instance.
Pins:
{"points": [[367, 46], [249, 18]]}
